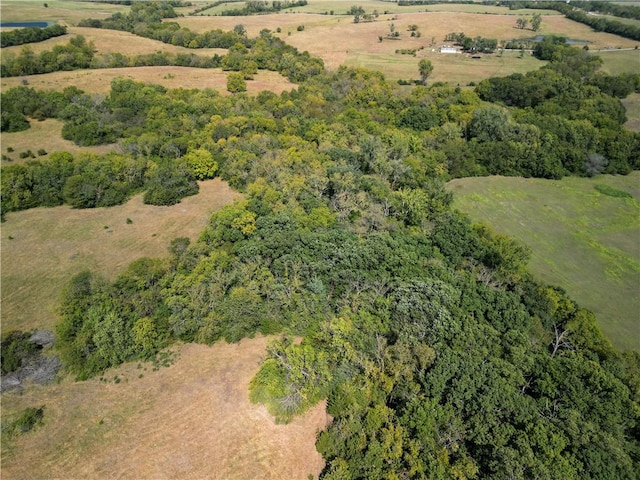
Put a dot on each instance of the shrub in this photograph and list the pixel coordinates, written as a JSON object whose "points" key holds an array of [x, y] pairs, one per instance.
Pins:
{"points": [[27, 421], [13, 349]]}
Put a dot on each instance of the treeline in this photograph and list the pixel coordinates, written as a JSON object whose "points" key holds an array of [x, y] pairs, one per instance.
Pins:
{"points": [[578, 12], [20, 36], [435, 349], [79, 54], [74, 55], [256, 7], [469, 44], [265, 52], [89, 181]]}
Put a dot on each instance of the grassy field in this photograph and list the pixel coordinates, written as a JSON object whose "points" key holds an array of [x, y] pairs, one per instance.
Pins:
{"points": [[113, 41], [42, 135], [582, 240], [99, 81], [337, 40], [190, 420], [616, 62], [64, 11], [632, 104], [341, 7], [43, 248]]}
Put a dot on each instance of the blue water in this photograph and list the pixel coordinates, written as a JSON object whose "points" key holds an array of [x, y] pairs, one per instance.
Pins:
{"points": [[23, 24]]}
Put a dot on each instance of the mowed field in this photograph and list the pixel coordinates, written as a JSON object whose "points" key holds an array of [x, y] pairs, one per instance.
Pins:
{"points": [[192, 420], [43, 248], [582, 240]]}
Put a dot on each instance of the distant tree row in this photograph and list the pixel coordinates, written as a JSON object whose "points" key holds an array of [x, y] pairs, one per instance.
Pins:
{"points": [[20, 36], [79, 54], [265, 52], [578, 12], [255, 7]]}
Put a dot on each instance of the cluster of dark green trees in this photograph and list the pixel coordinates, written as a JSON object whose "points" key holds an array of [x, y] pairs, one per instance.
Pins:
{"points": [[78, 54], [469, 44], [439, 355], [257, 7], [20, 36]]}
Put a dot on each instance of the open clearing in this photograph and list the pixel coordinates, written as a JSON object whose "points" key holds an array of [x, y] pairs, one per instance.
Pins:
{"points": [[632, 104], [582, 240], [114, 41], [44, 135], [190, 420], [99, 81], [66, 12], [43, 248]]}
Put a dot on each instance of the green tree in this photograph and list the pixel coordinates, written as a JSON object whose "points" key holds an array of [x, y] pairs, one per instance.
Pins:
{"points": [[425, 68], [236, 83], [521, 23], [536, 21]]}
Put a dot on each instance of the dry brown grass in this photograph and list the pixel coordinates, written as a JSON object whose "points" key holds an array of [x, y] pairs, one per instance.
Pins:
{"points": [[99, 81], [50, 245], [43, 135], [113, 41], [192, 420], [337, 40]]}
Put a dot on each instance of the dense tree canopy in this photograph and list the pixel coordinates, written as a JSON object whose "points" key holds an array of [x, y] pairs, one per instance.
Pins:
{"points": [[439, 355]]}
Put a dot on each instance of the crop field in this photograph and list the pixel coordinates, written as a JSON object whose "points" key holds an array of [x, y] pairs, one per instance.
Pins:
{"points": [[99, 81], [43, 248], [583, 240], [192, 419]]}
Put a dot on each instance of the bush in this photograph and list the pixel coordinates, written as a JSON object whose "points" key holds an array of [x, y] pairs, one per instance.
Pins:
{"points": [[27, 421], [13, 349]]}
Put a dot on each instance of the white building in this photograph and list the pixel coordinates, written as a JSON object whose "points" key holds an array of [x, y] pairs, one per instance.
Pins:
{"points": [[448, 50]]}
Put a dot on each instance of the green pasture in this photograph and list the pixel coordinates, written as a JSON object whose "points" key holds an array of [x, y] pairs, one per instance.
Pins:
{"points": [[632, 104], [616, 62], [456, 69], [584, 234], [64, 11]]}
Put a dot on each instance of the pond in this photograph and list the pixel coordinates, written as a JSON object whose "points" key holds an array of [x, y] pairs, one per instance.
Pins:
{"points": [[569, 41], [23, 24]]}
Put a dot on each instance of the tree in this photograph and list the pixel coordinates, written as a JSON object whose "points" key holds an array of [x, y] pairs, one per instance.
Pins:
{"points": [[357, 11], [425, 67], [521, 23], [536, 21], [236, 83]]}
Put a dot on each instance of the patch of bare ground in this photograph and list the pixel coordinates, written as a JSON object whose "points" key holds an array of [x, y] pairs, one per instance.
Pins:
{"points": [[192, 420], [99, 81], [43, 248]]}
